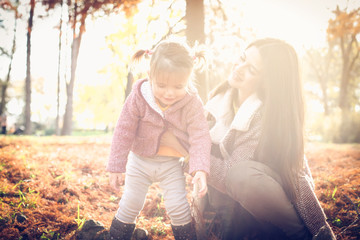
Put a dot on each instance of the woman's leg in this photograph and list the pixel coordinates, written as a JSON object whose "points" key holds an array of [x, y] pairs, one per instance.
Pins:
{"points": [[258, 189], [226, 210]]}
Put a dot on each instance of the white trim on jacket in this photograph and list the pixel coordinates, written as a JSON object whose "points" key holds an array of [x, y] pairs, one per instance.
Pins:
{"points": [[149, 97], [219, 106]]}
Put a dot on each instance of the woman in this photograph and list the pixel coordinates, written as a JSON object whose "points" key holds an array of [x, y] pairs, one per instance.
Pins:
{"points": [[258, 170]]}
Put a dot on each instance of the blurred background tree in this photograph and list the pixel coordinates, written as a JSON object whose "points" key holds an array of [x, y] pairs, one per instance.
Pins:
{"points": [[12, 7], [331, 72], [78, 12], [344, 35], [336, 69], [28, 69]]}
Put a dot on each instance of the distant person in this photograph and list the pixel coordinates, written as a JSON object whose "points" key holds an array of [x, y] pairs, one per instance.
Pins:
{"points": [[3, 122], [19, 130], [259, 179], [161, 121]]}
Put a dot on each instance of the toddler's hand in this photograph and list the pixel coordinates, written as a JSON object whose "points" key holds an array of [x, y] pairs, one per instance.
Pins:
{"points": [[200, 180], [116, 180]]}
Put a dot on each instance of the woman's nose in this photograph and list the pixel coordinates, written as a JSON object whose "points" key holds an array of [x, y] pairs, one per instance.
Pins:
{"points": [[239, 67]]}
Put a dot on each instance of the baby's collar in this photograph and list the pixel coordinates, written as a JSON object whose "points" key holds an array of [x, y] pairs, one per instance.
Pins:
{"points": [[148, 95]]}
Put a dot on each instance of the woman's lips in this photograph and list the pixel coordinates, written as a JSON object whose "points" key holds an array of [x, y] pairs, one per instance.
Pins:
{"points": [[237, 77]]}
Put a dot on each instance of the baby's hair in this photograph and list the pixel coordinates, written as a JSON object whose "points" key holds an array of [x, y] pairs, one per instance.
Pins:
{"points": [[199, 55], [138, 55], [173, 56]]}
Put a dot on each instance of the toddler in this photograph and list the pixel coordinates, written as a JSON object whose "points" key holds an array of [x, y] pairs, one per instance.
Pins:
{"points": [[162, 121]]}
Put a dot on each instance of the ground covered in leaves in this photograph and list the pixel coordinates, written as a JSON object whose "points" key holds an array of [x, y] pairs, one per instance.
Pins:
{"points": [[49, 186]]}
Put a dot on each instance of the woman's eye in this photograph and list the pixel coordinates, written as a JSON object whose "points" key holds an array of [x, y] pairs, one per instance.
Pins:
{"points": [[252, 70], [239, 62]]}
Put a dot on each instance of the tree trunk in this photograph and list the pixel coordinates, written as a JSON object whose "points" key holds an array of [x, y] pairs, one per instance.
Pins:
{"points": [[129, 84], [322, 75], [28, 72], [325, 99], [195, 21], [346, 127], [67, 126], [324, 80], [6, 83], [57, 129], [345, 131], [323, 85], [344, 104], [195, 33], [344, 84]]}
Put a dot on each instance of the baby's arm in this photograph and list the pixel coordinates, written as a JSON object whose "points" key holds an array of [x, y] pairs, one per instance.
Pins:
{"points": [[199, 138], [200, 183], [122, 140], [124, 134], [116, 180]]}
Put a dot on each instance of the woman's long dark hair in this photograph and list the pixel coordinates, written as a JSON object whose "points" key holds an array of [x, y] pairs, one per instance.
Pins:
{"points": [[281, 145]]}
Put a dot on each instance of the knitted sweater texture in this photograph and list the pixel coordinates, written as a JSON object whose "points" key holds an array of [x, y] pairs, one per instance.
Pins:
{"points": [[240, 146], [141, 125]]}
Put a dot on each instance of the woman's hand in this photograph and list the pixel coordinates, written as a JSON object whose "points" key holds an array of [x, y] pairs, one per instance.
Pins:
{"points": [[199, 182], [116, 180]]}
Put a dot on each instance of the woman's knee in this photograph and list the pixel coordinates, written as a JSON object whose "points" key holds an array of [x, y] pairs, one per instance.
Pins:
{"points": [[239, 179], [247, 179]]}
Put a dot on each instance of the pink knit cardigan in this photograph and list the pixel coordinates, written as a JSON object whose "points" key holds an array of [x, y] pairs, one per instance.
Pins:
{"points": [[141, 125]]}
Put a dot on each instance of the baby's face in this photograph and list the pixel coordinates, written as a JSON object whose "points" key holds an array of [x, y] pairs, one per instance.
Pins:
{"points": [[168, 88]]}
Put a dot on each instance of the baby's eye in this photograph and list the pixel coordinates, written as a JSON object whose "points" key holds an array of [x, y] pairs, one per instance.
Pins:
{"points": [[179, 87], [160, 85]]}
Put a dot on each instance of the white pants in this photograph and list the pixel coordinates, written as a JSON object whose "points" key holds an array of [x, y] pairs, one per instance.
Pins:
{"points": [[140, 174]]}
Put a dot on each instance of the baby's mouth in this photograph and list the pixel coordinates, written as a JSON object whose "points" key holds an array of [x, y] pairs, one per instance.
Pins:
{"points": [[169, 99]]}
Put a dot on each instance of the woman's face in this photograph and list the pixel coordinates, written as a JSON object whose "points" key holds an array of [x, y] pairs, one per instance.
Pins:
{"points": [[246, 73]]}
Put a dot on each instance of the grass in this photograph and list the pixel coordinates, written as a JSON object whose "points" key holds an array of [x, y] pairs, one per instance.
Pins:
{"points": [[56, 167], [87, 133], [80, 221]]}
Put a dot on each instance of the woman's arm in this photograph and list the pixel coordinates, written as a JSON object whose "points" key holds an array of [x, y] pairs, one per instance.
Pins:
{"points": [[240, 146], [309, 208]]}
